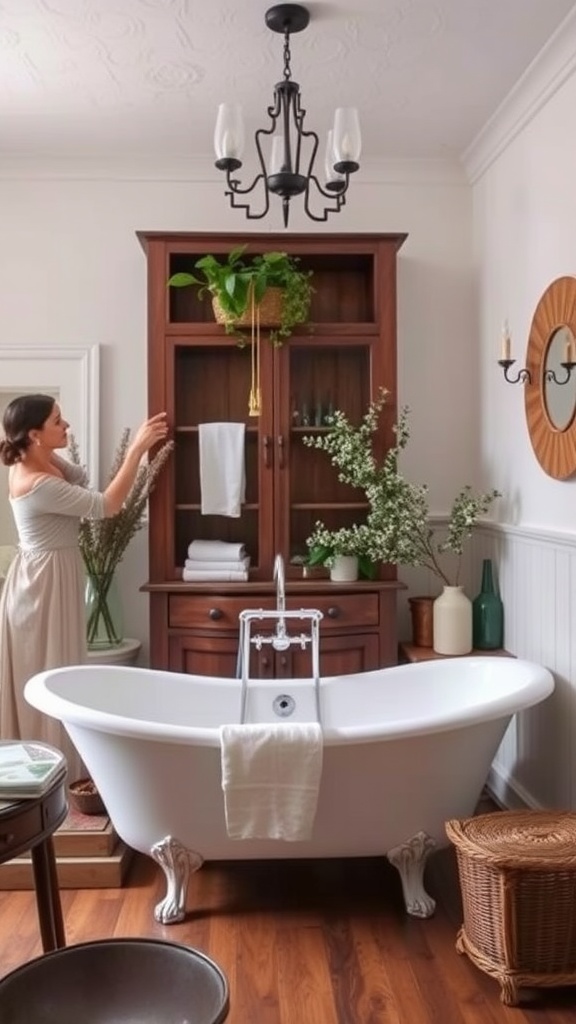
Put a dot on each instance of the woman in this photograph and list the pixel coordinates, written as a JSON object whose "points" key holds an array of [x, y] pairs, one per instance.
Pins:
{"points": [[42, 617]]}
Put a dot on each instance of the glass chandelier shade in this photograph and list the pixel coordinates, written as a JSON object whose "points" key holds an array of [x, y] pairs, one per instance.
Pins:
{"points": [[292, 149]]}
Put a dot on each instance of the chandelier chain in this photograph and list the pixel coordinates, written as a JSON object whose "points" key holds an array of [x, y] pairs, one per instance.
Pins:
{"points": [[287, 57]]}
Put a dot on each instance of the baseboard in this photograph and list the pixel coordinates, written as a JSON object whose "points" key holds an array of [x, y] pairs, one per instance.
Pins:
{"points": [[508, 794]]}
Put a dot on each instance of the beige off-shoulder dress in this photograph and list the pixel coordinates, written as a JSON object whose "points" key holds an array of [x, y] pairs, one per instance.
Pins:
{"points": [[42, 617]]}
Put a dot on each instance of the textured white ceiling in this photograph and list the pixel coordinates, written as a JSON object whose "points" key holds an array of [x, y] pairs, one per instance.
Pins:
{"points": [[125, 78]]}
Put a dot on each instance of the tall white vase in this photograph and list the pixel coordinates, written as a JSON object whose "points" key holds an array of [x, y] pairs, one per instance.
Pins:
{"points": [[452, 622]]}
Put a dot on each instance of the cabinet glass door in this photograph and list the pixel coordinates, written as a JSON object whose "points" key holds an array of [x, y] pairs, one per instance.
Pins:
{"points": [[212, 384], [320, 377]]}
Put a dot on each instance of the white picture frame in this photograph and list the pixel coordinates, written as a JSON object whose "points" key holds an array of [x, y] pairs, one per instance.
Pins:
{"points": [[73, 374]]}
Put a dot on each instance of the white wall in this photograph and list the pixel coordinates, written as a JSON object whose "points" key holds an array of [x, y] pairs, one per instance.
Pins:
{"points": [[524, 209], [73, 273]]}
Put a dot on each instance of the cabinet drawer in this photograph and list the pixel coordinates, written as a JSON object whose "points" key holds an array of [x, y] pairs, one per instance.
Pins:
{"points": [[340, 611], [187, 611]]}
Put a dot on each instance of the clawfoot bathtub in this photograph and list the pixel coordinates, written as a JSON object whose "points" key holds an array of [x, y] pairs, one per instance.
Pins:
{"points": [[405, 748]]}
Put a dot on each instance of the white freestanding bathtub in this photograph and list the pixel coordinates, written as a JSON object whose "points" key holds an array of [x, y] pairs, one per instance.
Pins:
{"points": [[405, 748]]}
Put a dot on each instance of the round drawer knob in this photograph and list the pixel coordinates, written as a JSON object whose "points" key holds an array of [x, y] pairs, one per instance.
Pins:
{"points": [[333, 613], [215, 613]]}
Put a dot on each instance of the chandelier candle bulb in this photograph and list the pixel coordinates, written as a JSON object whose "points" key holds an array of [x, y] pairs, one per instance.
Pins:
{"points": [[229, 132]]}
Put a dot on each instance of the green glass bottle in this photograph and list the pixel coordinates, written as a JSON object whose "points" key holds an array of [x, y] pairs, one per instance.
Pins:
{"points": [[487, 613]]}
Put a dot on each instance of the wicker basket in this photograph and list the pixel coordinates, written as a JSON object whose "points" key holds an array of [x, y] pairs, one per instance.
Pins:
{"points": [[270, 310], [517, 872]]}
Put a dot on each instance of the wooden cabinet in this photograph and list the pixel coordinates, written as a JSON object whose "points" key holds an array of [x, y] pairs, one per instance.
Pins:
{"points": [[199, 374]]}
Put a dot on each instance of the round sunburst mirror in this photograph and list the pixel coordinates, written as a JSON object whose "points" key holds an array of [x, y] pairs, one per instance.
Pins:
{"points": [[551, 404]]}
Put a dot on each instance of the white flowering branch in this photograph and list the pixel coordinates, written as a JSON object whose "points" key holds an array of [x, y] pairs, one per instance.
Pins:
{"points": [[396, 529]]}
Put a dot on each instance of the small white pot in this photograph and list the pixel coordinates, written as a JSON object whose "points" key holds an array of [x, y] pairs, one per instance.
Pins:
{"points": [[345, 569]]}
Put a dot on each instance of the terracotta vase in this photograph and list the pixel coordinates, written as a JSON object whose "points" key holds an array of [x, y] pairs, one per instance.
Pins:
{"points": [[421, 610]]}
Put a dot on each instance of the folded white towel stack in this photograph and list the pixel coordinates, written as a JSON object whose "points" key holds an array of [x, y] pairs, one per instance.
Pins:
{"points": [[218, 566], [225, 575], [270, 778], [222, 468], [215, 551], [216, 560]]}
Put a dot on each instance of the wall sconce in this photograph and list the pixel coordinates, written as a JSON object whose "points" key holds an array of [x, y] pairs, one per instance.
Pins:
{"points": [[524, 376]]}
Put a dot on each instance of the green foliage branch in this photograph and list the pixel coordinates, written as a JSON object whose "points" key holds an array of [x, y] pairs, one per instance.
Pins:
{"points": [[397, 525]]}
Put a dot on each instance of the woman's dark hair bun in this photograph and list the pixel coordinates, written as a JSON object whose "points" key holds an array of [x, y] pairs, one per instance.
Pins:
{"points": [[9, 452]]}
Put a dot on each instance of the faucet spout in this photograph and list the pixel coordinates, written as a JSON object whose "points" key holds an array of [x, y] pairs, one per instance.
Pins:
{"points": [[280, 578]]}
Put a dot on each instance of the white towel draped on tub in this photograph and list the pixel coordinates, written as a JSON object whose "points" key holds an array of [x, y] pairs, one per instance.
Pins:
{"points": [[222, 468], [270, 778]]}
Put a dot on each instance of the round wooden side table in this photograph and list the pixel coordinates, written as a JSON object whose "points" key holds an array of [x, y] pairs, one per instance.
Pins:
{"points": [[29, 825]]}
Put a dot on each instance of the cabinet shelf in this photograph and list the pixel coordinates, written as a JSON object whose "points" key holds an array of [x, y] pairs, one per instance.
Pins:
{"points": [[180, 507], [331, 506], [194, 430]]}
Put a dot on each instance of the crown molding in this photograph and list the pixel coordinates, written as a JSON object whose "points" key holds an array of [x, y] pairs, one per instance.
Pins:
{"points": [[553, 65]]}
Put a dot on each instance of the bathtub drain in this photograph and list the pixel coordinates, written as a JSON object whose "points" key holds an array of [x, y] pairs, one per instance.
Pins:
{"points": [[284, 705]]}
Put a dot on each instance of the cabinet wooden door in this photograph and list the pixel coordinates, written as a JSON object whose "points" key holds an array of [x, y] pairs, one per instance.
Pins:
{"points": [[339, 655], [210, 656], [203, 655]]}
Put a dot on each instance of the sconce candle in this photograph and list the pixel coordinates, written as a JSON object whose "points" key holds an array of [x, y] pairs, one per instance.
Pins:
{"points": [[505, 342]]}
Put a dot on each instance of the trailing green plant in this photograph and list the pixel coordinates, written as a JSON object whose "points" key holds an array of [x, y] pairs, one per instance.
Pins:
{"points": [[397, 525], [237, 281]]}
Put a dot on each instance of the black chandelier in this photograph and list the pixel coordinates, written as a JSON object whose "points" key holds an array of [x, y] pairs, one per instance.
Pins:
{"points": [[283, 177]]}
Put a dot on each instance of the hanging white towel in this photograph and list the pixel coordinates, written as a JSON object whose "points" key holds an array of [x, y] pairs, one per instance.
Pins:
{"points": [[206, 566], [270, 778], [215, 551], [222, 468]]}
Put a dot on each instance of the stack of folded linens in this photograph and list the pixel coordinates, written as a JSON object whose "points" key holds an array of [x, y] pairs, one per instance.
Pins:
{"points": [[216, 560]]}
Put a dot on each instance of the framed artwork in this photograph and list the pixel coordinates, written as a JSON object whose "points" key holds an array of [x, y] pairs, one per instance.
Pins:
{"points": [[72, 375]]}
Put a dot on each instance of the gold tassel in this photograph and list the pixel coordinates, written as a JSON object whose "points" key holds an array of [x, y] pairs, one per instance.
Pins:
{"points": [[255, 398]]}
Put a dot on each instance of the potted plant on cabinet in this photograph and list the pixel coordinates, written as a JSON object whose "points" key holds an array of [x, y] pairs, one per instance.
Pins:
{"points": [[269, 289], [397, 523]]}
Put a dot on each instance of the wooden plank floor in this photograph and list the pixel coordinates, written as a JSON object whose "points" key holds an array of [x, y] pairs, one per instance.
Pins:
{"points": [[304, 942]]}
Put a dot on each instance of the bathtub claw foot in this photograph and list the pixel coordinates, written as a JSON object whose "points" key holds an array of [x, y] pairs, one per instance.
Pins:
{"points": [[410, 860], [177, 862]]}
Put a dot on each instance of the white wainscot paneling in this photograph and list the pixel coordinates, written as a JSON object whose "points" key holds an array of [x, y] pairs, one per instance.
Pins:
{"points": [[536, 574]]}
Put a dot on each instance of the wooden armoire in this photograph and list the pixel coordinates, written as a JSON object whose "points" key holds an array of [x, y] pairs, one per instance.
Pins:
{"points": [[199, 374]]}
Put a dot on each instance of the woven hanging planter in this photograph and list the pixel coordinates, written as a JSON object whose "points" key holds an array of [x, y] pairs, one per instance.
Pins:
{"points": [[270, 310]]}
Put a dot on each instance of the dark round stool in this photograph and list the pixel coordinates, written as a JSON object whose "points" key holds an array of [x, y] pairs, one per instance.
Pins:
{"points": [[120, 980]]}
